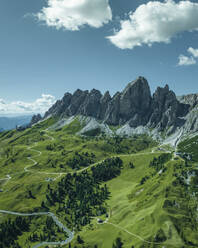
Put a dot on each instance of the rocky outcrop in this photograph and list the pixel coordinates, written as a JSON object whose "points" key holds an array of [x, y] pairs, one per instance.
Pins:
{"points": [[35, 119], [60, 106], [112, 114], [133, 106], [191, 119], [191, 122], [77, 100], [91, 104], [191, 99], [166, 109], [135, 103], [104, 101]]}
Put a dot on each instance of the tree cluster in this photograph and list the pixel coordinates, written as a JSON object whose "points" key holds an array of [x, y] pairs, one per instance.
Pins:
{"points": [[11, 229], [79, 197], [48, 233], [118, 144], [107, 169], [158, 163], [83, 159]]}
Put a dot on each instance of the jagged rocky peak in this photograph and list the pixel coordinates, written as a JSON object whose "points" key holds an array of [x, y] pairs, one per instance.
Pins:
{"points": [[77, 100], [139, 84], [91, 104], [104, 102], [137, 94], [60, 106], [135, 102], [191, 123], [106, 97], [165, 109], [163, 98], [112, 110], [134, 106], [191, 99]]}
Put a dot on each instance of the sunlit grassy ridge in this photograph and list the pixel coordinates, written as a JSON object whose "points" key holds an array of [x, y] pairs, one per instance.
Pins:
{"points": [[148, 207], [190, 146], [136, 208]]}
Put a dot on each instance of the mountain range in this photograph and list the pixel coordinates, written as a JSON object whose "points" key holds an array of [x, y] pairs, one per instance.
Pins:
{"points": [[134, 110], [62, 174], [8, 123]]}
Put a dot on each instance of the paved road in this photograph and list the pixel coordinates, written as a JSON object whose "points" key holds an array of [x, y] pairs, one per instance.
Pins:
{"points": [[55, 219]]}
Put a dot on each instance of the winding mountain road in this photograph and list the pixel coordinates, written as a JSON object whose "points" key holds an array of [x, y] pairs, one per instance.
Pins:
{"points": [[55, 219], [53, 216], [27, 168]]}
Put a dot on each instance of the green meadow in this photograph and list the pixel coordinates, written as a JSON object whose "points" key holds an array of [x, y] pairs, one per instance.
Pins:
{"points": [[152, 202]]}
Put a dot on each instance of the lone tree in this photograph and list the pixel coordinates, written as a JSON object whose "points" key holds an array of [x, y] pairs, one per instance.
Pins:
{"points": [[30, 195], [131, 165], [80, 240], [160, 236]]}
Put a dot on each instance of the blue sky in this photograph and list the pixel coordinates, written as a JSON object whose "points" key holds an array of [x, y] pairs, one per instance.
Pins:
{"points": [[51, 58]]}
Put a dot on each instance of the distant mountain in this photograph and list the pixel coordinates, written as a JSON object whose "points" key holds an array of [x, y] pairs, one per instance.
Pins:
{"points": [[133, 108], [7, 123]]}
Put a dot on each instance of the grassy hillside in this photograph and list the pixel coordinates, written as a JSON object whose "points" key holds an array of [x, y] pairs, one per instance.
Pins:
{"points": [[190, 146], [139, 211], [150, 201]]}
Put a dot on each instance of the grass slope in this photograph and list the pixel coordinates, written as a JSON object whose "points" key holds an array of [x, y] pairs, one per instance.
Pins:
{"points": [[139, 210], [136, 208], [190, 146]]}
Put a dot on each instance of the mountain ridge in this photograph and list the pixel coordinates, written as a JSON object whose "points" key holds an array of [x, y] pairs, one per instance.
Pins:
{"points": [[66, 160], [134, 106]]}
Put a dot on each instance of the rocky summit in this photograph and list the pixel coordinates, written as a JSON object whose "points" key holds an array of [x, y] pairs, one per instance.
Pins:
{"points": [[134, 106]]}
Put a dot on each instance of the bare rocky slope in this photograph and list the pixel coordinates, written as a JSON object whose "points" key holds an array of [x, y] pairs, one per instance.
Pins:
{"points": [[134, 109]]}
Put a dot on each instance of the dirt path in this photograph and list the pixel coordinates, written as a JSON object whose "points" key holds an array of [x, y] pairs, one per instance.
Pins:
{"points": [[133, 234], [70, 233]]}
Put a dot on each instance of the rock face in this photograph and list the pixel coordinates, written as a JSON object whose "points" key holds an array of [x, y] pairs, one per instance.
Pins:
{"points": [[166, 109], [91, 104], [191, 119], [104, 101], [191, 99], [35, 119], [135, 103], [60, 106], [133, 106]]}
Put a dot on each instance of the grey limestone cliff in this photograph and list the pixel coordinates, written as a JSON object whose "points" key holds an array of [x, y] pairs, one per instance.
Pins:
{"points": [[134, 106]]}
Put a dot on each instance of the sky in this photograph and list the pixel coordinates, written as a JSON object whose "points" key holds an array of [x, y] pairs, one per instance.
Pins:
{"points": [[49, 47]]}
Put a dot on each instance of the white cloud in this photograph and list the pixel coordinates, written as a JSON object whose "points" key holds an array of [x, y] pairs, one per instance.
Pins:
{"points": [[40, 105], [185, 60], [2, 101], [156, 22], [193, 51], [74, 14]]}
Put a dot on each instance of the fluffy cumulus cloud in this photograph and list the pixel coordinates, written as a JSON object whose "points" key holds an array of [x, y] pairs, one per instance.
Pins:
{"points": [[41, 105], [156, 22], [185, 60], [188, 60], [193, 51], [74, 14]]}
